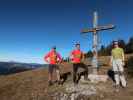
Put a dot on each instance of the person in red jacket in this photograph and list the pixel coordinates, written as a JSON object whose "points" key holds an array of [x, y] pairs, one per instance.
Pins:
{"points": [[77, 56], [53, 58]]}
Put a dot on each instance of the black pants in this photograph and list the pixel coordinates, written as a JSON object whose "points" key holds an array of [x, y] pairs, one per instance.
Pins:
{"points": [[75, 69]]}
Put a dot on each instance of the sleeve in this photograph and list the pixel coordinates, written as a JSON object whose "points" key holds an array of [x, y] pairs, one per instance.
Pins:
{"points": [[72, 53], [46, 56]]}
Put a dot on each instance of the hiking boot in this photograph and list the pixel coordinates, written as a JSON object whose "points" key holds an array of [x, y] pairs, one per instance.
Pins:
{"points": [[60, 83], [50, 83], [124, 86], [117, 88], [55, 81]]}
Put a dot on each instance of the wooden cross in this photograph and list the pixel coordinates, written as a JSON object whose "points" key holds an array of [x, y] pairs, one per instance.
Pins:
{"points": [[95, 31]]}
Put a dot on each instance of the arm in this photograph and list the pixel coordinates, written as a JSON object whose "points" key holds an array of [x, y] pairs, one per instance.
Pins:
{"points": [[123, 58], [46, 57], [59, 57], [111, 59], [71, 56], [83, 56]]}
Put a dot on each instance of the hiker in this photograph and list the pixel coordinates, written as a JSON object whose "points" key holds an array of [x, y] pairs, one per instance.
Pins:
{"points": [[53, 58], [77, 57], [117, 61]]}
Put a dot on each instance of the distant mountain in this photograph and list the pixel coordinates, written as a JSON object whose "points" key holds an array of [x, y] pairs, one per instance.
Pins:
{"points": [[15, 67]]}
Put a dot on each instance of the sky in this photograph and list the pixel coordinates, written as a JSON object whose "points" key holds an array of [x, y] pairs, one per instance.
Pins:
{"points": [[29, 28]]}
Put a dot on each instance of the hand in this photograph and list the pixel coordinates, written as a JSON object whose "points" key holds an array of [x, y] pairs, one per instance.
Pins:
{"points": [[110, 63], [123, 63], [47, 61], [59, 62]]}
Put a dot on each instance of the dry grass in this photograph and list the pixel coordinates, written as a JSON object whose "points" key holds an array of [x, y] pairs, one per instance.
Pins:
{"points": [[32, 85]]}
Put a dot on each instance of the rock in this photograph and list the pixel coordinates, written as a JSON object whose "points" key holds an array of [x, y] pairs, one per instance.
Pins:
{"points": [[74, 92], [97, 78], [80, 89]]}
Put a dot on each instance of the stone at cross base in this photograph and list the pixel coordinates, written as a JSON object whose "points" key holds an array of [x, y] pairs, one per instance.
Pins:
{"points": [[94, 77]]}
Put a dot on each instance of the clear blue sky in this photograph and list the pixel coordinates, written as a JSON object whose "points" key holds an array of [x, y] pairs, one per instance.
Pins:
{"points": [[29, 28]]}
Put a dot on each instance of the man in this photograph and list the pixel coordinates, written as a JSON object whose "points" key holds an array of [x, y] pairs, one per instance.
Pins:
{"points": [[77, 57], [53, 58], [117, 61]]}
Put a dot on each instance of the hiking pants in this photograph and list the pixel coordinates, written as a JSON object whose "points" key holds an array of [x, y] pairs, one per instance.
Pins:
{"points": [[75, 69], [55, 67], [119, 72]]}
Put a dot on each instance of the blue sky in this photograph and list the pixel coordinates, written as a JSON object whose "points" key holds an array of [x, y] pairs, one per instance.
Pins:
{"points": [[29, 28]]}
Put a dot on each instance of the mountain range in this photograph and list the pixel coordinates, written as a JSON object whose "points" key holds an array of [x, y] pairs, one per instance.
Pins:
{"points": [[15, 67]]}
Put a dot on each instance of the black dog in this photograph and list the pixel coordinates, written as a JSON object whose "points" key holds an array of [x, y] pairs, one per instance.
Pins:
{"points": [[111, 74], [83, 73], [63, 77]]}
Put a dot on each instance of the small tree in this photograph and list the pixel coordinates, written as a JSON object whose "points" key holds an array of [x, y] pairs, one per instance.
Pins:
{"points": [[122, 44], [88, 54], [102, 51], [130, 66], [108, 49], [129, 46]]}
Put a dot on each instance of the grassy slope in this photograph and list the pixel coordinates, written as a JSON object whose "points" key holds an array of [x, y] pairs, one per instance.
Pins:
{"points": [[32, 85]]}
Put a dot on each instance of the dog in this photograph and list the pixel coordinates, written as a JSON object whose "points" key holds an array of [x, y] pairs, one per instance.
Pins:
{"points": [[64, 77]]}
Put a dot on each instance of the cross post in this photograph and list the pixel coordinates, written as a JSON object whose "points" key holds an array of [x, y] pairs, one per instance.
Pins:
{"points": [[95, 31]]}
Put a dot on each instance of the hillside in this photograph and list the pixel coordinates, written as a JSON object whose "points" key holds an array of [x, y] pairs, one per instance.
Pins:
{"points": [[16, 67], [32, 85]]}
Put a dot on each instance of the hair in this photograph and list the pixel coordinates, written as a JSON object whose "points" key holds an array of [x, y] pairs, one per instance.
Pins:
{"points": [[113, 43], [54, 47], [77, 44]]}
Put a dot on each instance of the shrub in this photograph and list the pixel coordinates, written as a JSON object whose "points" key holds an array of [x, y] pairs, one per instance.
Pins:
{"points": [[130, 66]]}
